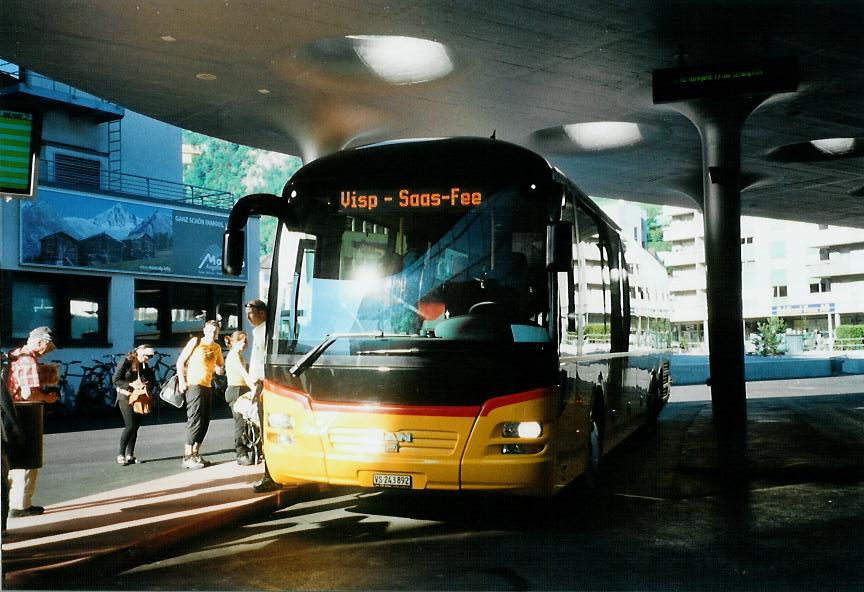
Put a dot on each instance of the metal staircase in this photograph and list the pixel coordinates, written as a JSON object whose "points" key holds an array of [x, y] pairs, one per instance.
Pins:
{"points": [[115, 160]]}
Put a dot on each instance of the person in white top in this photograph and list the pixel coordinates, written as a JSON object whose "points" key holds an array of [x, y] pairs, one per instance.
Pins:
{"points": [[256, 314]]}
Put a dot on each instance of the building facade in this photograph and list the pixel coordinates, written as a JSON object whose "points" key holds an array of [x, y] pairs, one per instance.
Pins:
{"points": [[810, 275], [113, 249]]}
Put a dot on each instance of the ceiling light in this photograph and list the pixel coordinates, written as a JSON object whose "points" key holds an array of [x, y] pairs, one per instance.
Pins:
{"points": [[205, 76], [168, 38], [834, 146], [264, 91], [402, 60], [817, 150], [603, 135]]}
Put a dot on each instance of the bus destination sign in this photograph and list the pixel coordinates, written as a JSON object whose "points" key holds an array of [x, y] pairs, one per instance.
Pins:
{"points": [[722, 80], [451, 199]]}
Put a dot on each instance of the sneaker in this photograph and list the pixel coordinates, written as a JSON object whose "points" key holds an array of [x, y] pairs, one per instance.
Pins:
{"points": [[121, 460], [244, 461], [189, 462], [265, 484], [200, 459], [31, 511], [131, 460]]}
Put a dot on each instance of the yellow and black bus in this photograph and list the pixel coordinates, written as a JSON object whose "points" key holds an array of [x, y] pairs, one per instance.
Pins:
{"points": [[429, 301]]}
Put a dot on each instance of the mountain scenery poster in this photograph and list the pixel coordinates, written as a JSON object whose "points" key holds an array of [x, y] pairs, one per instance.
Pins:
{"points": [[66, 230]]}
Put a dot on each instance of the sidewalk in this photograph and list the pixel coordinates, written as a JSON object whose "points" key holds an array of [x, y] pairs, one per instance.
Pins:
{"points": [[108, 532]]}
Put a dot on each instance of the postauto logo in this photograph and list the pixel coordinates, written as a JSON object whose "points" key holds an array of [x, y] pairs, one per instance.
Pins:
{"points": [[211, 260]]}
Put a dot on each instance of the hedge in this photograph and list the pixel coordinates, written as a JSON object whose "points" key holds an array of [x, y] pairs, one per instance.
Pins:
{"points": [[849, 331]]}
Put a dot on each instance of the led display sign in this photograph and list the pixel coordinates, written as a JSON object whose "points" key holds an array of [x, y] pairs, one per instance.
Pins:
{"points": [[723, 80], [19, 143], [405, 198]]}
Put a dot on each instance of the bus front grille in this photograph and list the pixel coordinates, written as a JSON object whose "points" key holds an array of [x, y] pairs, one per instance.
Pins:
{"points": [[409, 442]]}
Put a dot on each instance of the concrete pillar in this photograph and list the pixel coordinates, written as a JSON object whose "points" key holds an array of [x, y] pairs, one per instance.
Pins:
{"points": [[121, 319], [719, 122]]}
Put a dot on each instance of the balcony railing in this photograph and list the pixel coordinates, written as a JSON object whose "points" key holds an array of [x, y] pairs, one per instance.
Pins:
{"points": [[87, 178]]}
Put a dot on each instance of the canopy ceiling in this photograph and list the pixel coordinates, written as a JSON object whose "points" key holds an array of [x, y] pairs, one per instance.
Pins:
{"points": [[308, 78]]}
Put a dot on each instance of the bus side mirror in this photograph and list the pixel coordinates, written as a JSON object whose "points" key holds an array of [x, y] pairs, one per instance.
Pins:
{"points": [[233, 250], [559, 246]]}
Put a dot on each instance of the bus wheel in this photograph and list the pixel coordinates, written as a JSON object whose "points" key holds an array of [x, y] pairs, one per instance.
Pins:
{"points": [[652, 410]]}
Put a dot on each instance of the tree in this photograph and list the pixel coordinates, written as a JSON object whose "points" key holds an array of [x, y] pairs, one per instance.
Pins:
{"points": [[655, 225], [767, 340], [239, 170]]}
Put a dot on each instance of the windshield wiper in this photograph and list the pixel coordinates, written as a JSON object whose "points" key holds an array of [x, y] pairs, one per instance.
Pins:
{"points": [[388, 352], [315, 353]]}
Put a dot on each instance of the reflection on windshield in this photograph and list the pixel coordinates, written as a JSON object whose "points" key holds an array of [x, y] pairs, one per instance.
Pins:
{"points": [[480, 277]]}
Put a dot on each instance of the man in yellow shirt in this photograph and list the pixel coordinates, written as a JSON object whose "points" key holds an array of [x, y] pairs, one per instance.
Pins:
{"points": [[195, 368]]}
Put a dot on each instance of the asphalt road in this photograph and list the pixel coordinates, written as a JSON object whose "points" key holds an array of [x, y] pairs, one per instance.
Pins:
{"points": [[80, 461], [656, 522]]}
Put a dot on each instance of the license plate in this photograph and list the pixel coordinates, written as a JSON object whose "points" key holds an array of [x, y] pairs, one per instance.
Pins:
{"points": [[384, 480]]}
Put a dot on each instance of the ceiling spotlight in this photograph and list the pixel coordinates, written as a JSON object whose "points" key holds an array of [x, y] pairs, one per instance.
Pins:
{"points": [[834, 146], [603, 135], [818, 150], [402, 60]]}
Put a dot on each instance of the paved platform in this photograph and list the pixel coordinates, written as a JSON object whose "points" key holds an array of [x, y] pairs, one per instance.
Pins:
{"points": [[115, 530]]}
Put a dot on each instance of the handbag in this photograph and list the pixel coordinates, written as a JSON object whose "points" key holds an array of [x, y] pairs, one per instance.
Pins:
{"points": [[139, 398], [170, 393]]}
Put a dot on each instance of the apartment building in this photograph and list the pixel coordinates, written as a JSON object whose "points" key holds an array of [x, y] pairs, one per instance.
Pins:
{"points": [[112, 249], [810, 275], [650, 298]]}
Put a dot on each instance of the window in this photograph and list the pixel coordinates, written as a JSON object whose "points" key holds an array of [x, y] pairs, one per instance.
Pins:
{"points": [[169, 312], [823, 285], [780, 291], [778, 249], [746, 240], [824, 254], [75, 309]]}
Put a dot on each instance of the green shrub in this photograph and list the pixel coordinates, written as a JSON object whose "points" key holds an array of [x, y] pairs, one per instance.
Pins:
{"points": [[849, 331], [596, 329], [767, 342]]}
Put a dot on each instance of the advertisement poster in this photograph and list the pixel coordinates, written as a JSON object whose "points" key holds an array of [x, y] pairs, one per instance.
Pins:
{"points": [[77, 231]]}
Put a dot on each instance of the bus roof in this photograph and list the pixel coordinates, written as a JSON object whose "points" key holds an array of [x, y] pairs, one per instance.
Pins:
{"points": [[465, 158]]}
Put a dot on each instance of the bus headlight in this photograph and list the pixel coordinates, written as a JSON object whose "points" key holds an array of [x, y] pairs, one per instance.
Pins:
{"points": [[280, 421], [522, 429]]}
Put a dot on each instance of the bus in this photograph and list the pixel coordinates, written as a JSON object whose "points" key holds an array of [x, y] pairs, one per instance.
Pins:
{"points": [[428, 306]]}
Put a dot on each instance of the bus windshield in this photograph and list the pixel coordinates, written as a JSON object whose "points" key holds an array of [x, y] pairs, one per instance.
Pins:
{"points": [[387, 288]]}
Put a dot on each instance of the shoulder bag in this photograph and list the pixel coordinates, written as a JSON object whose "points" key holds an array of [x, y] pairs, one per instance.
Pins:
{"points": [[139, 397], [170, 391]]}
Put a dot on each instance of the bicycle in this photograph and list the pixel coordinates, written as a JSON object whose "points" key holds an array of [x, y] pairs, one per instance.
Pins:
{"points": [[96, 392], [161, 369], [68, 398]]}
